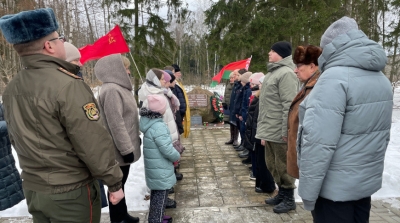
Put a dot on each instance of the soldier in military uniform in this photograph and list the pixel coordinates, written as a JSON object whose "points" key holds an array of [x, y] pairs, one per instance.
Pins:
{"points": [[55, 127]]}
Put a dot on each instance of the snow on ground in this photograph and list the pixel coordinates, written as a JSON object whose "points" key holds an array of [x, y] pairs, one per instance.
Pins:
{"points": [[136, 186]]}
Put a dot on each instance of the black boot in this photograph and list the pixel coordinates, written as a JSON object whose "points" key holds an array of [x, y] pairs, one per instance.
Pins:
{"points": [[277, 199], [131, 219], [230, 142], [288, 202], [170, 203], [235, 135], [247, 161], [178, 176], [244, 154]]}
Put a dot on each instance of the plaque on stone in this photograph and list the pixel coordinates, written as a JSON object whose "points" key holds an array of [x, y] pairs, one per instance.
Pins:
{"points": [[197, 100]]}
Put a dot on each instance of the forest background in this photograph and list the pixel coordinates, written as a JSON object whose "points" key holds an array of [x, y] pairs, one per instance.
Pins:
{"points": [[203, 35]]}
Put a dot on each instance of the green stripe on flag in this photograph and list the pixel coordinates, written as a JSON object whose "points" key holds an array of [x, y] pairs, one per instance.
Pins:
{"points": [[226, 74], [213, 84]]}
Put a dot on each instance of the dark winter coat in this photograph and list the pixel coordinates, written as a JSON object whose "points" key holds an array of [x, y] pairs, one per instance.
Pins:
{"points": [[246, 91], [251, 124], [10, 181], [232, 116], [237, 104], [227, 100], [178, 92], [178, 114]]}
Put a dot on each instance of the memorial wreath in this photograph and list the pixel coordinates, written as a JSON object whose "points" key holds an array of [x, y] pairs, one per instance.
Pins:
{"points": [[216, 104]]}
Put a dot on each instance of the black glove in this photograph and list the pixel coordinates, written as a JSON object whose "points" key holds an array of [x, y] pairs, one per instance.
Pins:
{"points": [[128, 158], [225, 106]]}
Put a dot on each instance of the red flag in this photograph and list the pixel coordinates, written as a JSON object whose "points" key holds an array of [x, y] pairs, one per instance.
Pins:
{"points": [[226, 70], [112, 42]]}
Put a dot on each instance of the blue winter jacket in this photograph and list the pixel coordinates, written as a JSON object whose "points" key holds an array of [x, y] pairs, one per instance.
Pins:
{"points": [[245, 101], [158, 152], [10, 182], [344, 123], [232, 116]]}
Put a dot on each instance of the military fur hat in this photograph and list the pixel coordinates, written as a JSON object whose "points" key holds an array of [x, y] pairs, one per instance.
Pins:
{"points": [[28, 26], [307, 54]]}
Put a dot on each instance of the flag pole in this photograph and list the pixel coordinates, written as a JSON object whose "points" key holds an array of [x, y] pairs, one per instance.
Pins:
{"points": [[136, 67]]}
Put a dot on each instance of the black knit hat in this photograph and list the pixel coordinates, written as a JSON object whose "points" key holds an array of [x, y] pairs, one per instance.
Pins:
{"points": [[176, 67], [283, 48]]}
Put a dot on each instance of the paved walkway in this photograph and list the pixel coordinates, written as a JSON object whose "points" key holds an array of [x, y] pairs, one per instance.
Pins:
{"points": [[216, 188]]}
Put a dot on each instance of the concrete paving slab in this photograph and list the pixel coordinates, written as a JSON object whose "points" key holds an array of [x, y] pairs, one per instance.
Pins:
{"points": [[216, 188]]}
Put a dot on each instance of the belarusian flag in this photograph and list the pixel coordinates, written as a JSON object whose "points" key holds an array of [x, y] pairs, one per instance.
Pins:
{"points": [[227, 70]]}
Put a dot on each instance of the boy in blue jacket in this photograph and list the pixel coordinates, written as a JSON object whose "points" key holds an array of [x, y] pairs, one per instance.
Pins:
{"points": [[159, 155]]}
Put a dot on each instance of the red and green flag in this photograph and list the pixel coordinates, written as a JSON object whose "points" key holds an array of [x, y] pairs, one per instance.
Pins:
{"points": [[227, 70]]}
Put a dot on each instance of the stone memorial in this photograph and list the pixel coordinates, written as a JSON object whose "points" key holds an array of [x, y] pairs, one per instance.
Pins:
{"points": [[199, 103]]}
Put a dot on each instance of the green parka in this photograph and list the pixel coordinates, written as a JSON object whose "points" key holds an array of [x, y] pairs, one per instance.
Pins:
{"points": [[56, 128], [278, 89]]}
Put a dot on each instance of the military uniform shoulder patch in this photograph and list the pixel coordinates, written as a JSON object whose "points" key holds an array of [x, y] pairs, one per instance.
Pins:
{"points": [[68, 73], [92, 113]]}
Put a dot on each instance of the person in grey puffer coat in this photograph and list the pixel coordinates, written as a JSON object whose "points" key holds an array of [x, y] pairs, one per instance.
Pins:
{"points": [[344, 127], [118, 105], [10, 182]]}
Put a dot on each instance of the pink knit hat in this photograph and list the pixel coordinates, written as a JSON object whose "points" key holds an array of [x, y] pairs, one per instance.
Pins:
{"points": [[255, 78], [157, 103], [167, 77]]}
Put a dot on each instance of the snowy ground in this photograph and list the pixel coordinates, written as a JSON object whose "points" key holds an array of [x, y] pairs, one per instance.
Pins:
{"points": [[136, 187]]}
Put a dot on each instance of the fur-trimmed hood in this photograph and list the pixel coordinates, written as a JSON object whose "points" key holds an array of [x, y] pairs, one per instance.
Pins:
{"points": [[148, 118], [145, 112]]}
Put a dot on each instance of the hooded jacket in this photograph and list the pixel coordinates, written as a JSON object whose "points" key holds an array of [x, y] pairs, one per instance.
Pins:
{"points": [[158, 152], [154, 87], [344, 123], [118, 105], [279, 88]]}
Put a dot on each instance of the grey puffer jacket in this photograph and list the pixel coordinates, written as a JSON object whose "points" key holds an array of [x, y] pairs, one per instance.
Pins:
{"points": [[279, 88], [10, 181], [118, 105], [344, 123]]}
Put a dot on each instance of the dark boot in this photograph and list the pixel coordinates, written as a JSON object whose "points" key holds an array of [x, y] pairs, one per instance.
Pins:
{"points": [[235, 135], [170, 203], [277, 199], [240, 148], [247, 161], [244, 154], [131, 219], [287, 203], [231, 140], [179, 176]]}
